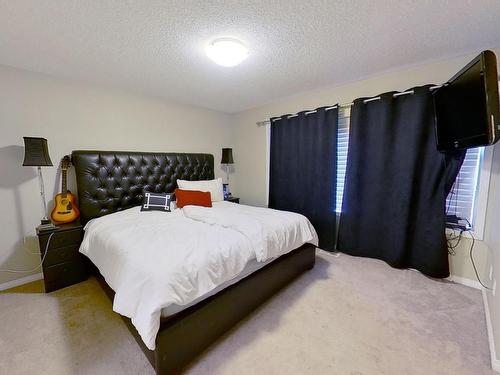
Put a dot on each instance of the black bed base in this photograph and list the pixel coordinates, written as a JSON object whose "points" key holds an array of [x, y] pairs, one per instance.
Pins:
{"points": [[187, 334]]}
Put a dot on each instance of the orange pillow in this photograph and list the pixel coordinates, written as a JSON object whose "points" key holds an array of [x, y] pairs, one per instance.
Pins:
{"points": [[193, 197]]}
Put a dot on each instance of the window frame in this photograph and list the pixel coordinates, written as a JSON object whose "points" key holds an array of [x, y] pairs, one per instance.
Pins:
{"points": [[340, 188], [481, 197]]}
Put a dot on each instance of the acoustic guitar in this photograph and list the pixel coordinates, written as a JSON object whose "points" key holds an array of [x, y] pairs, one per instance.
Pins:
{"points": [[65, 210]]}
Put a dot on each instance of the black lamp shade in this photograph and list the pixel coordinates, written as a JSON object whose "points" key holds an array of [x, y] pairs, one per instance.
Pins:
{"points": [[227, 156], [36, 152]]}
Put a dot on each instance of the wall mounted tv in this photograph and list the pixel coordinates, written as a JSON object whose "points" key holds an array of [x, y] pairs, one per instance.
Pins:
{"points": [[467, 106]]}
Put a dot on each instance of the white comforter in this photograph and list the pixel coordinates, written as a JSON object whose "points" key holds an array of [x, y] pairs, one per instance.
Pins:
{"points": [[155, 259]]}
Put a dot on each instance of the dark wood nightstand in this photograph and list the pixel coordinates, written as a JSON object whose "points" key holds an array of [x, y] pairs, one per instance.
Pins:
{"points": [[233, 199], [63, 265]]}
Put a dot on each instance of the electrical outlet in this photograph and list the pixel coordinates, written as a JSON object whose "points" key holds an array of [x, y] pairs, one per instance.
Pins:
{"points": [[491, 273]]}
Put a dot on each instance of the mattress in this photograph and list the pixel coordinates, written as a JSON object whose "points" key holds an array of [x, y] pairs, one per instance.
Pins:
{"points": [[251, 267], [161, 263]]}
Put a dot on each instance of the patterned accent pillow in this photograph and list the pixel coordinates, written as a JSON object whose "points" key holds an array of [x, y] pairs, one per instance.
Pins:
{"points": [[156, 202]]}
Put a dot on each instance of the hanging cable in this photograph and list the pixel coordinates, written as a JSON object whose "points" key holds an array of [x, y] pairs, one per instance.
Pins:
{"points": [[472, 257], [37, 267]]}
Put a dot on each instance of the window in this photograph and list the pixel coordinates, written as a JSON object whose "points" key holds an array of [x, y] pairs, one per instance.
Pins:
{"points": [[468, 197], [461, 200], [342, 145]]}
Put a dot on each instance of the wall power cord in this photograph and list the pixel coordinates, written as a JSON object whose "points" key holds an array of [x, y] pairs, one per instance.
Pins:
{"points": [[474, 263], [37, 267], [457, 238]]}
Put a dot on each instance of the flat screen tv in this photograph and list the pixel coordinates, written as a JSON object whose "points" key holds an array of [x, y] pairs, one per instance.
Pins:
{"points": [[467, 106]]}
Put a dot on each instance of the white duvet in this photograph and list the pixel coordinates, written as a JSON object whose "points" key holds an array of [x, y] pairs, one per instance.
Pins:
{"points": [[154, 259]]}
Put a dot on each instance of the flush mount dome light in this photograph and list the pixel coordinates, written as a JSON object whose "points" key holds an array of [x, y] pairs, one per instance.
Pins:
{"points": [[227, 51]]}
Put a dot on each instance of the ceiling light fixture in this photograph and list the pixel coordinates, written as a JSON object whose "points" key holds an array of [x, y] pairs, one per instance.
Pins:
{"points": [[227, 51]]}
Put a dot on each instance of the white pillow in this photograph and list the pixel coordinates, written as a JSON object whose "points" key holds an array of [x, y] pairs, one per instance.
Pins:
{"points": [[212, 186], [173, 205]]}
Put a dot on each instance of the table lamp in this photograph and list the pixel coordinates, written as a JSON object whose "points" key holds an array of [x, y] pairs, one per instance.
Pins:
{"points": [[227, 158], [36, 154]]}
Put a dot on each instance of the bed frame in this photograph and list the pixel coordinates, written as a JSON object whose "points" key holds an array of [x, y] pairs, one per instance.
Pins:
{"points": [[109, 181]]}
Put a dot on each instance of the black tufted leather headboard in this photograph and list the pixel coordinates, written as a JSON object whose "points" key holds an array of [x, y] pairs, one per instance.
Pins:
{"points": [[109, 181]]}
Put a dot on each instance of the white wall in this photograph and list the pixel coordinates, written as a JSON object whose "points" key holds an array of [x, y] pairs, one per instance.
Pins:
{"points": [[492, 239], [78, 116], [249, 143]]}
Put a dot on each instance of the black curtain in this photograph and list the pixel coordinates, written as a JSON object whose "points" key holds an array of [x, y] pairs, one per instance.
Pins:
{"points": [[396, 184], [303, 169]]}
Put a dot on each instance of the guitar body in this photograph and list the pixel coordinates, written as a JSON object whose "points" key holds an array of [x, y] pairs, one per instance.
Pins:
{"points": [[65, 210]]}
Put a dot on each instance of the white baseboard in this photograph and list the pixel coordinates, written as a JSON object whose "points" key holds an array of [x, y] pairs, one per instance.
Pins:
{"points": [[495, 362], [21, 281], [468, 282]]}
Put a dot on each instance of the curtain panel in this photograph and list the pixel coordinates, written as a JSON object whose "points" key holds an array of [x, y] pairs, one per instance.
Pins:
{"points": [[396, 184], [303, 169]]}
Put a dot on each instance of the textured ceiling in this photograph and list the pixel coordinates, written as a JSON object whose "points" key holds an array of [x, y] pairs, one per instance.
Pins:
{"points": [[157, 47]]}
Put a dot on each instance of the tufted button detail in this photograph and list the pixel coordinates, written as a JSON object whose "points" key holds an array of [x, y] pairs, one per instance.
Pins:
{"points": [[111, 181]]}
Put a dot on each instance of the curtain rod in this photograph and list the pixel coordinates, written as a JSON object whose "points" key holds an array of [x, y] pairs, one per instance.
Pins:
{"points": [[344, 105]]}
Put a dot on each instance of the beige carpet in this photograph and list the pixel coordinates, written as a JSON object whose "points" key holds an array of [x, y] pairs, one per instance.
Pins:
{"points": [[347, 316]]}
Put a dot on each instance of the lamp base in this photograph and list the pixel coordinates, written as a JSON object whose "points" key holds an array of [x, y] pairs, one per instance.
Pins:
{"points": [[227, 192], [45, 225]]}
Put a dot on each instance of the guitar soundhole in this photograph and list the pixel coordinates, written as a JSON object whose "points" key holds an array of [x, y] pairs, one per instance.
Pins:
{"points": [[67, 203]]}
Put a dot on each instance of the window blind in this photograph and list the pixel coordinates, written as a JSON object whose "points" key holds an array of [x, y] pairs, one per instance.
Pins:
{"points": [[459, 202], [342, 146]]}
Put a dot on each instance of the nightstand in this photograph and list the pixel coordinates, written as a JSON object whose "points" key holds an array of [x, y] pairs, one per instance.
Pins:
{"points": [[233, 199], [63, 265]]}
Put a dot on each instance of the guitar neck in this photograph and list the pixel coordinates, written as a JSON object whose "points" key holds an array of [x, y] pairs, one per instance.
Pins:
{"points": [[64, 182]]}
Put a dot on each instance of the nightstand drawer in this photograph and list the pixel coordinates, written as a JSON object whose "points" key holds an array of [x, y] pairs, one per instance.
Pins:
{"points": [[63, 238], [61, 255], [64, 274]]}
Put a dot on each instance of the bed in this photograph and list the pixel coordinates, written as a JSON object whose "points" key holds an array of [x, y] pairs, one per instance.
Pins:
{"points": [[110, 187]]}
